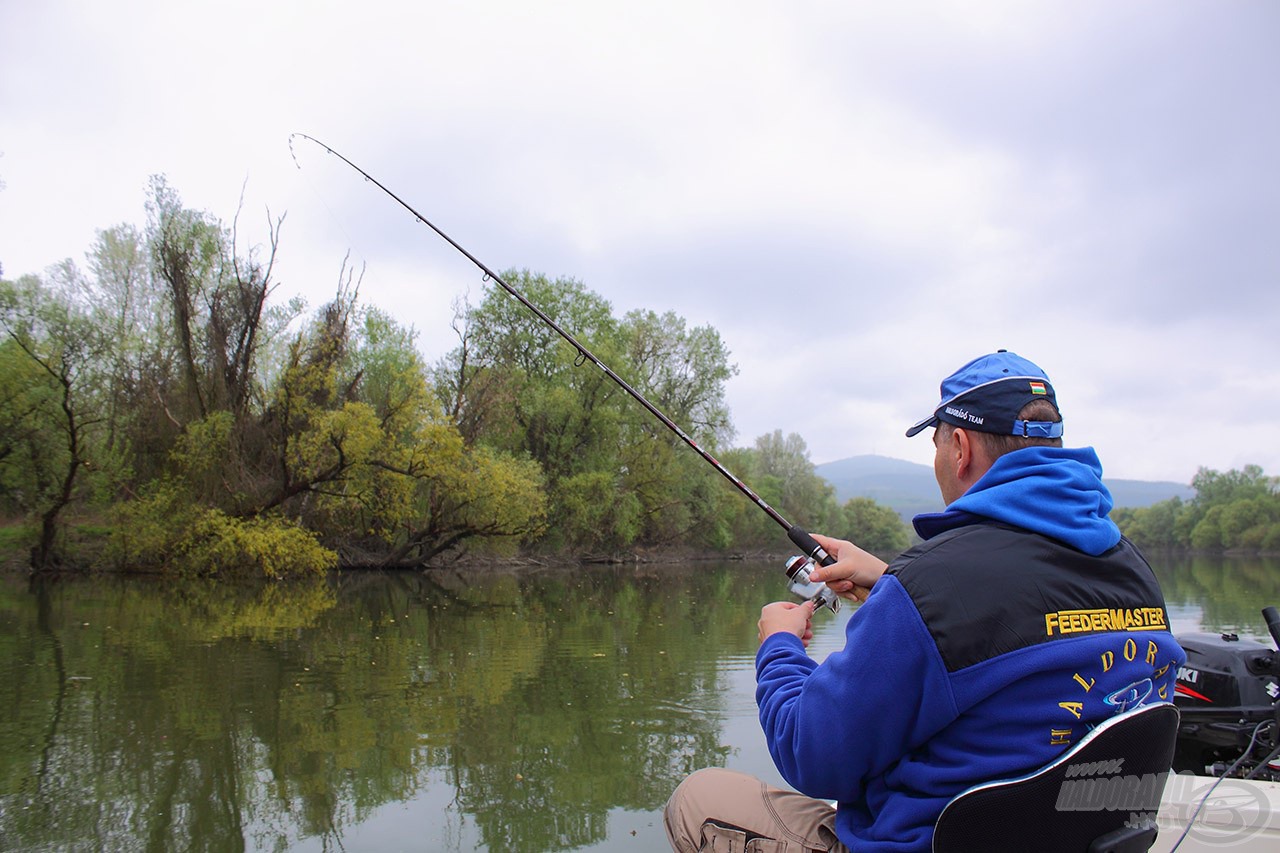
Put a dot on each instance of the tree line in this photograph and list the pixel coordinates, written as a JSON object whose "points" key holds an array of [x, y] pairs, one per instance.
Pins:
{"points": [[1234, 511], [160, 411]]}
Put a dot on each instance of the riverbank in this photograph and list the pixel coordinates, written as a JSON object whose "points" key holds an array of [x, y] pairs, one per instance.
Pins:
{"points": [[85, 556]]}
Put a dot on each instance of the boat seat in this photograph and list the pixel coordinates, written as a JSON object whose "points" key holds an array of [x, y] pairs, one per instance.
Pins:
{"points": [[1100, 796]]}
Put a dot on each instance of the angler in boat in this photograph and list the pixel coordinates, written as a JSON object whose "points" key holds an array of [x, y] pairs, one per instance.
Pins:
{"points": [[1021, 622]]}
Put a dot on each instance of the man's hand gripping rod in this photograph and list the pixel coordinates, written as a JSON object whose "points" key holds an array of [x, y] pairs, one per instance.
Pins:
{"points": [[797, 569]]}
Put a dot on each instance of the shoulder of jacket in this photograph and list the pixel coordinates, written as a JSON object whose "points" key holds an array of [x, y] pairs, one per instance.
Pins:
{"points": [[944, 546]]}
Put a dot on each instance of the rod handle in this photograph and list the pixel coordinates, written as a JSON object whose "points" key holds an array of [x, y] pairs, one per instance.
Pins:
{"points": [[806, 543]]}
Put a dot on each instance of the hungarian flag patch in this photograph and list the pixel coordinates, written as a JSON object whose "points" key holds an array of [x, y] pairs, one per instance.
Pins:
{"points": [[1038, 388]]}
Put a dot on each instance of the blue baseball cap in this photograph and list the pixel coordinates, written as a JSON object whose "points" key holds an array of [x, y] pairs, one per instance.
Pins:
{"points": [[988, 393]]}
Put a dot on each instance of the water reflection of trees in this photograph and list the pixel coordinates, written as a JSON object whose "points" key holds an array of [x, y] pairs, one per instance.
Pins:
{"points": [[1230, 591], [204, 717]]}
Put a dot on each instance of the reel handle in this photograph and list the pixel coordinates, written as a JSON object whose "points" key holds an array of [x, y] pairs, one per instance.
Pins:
{"points": [[819, 593]]}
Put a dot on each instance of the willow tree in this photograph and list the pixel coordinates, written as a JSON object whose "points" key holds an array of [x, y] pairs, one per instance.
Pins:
{"points": [[356, 447]]}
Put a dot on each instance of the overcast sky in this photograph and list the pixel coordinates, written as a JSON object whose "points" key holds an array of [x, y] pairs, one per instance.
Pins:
{"points": [[859, 197]]}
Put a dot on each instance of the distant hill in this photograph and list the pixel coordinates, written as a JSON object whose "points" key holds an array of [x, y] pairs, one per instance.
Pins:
{"points": [[907, 487], [910, 489], [1137, 493]]}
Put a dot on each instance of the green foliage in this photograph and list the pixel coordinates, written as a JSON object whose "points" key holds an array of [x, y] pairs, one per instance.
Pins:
{"points": [[801, 491], [749, 528], [496, 496], [15, 543], [779, 470], [873, 527], [1238, 511], [1155, 526], [163, 386], [1216, 489], [386, 471], [273, 547], [1245, 522], [684, 368], [25, 398], [351, 445], [594, 513], [53, 403], [1207, 534], [166, 532], [615, 477], [200, 457], [144, 538]]}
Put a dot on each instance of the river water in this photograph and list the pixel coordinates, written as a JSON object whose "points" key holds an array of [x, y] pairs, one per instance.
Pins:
{"points": [[531, 710]]}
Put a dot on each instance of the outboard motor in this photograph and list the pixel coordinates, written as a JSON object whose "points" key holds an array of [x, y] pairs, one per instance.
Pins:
{"points": [[1229, 696]]}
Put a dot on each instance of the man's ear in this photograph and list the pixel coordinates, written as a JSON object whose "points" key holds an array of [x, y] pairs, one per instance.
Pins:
{"points": [[961, 453]]}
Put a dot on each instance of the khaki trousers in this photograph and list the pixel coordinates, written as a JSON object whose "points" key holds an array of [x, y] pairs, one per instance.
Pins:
{"points": [[728, 812]]}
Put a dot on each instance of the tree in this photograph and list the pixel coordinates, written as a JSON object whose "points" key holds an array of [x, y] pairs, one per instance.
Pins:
{"points": [[1246, 522], [54, 347], [473, 396], [452, 493], [217, 299], [1214, 488], [1233, 510], [1155, 526], [363, 452], [122, 297], [873, 527], [749, 527], [1239, 509], [778, 470], [514, 384], [563, 413], [684, 370], [21, 426], [802, 492]]}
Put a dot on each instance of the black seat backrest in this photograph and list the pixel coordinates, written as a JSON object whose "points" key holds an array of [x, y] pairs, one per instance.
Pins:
{"points": [[1100, 795]]}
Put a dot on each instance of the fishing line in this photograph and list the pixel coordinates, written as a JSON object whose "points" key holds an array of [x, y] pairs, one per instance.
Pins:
{"points": [[338, 221], [1248, 749], [797, 535]]}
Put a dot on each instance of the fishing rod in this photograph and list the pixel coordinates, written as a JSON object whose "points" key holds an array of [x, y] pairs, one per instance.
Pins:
{"points": [[797, 567]]}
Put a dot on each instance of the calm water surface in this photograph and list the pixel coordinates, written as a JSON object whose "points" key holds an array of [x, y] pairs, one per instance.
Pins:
{"points": [[542, 710]]}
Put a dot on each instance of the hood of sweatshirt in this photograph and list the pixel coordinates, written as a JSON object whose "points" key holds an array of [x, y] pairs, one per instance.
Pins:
{"points": [[1054, 491]]}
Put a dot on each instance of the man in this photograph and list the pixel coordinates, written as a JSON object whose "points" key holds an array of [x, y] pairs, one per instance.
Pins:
{"points": [[1022, 620]]}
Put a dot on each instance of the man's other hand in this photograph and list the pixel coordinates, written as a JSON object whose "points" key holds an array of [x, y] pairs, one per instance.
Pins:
{"points": [[787, 617]]}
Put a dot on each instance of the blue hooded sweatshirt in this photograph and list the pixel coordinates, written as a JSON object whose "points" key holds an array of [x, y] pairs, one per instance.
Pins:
{"points": [[1023, 620]]}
